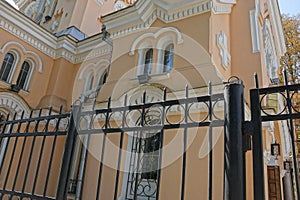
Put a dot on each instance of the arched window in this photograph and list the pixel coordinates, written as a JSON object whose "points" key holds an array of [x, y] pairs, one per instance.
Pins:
{"points": [[168, 58], [23, 77], [7, 66], [89, 82], [148, 61], [103, 78]]}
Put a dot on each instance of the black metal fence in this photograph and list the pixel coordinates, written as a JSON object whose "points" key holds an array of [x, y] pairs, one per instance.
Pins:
{"points": [[38, 152], [119, 152], [262, 111], [31, 149], [139, 131]]}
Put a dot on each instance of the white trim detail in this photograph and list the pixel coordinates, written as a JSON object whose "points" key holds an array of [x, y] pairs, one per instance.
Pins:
{"points": [[40, 63], [144, 13], [13, 103], [156, 35], [29, 75], [223, 49], [17, 24], [83, 69], [254, 25], [224, 7]]}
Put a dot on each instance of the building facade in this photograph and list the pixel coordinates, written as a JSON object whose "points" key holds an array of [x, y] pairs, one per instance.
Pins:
{"points": [[57, 53]]}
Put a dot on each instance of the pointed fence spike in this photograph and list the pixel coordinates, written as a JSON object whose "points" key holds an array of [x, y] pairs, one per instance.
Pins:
{"points": [[144, 97], [50, 110], [22, 114], [209, 88], [186, 91], [60, 109], [40, 112], [165, 94], [285, 77], [256, 80], [125, 100]]}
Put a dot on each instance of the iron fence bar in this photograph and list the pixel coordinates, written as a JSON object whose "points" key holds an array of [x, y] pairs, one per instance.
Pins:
{"points": [[210, 149], [257, 151], [30, 155], [161, 143], [21, 156], [12, 156], [61, 192], [33, 119], [278, 89], [280, 117], [40, 154], [149, 105], [120, 153], [3, 145], [33, 134], [52, 149], [23, 195], [80, 183], [215, 123], [184, 146], [292, 134], [103, 149], [137, 173], [234, 179]]}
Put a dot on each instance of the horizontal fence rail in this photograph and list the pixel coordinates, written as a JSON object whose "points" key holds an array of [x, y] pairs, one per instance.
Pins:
{"points": [[130, 129], [286, 109], [30, 156], [117, 152]]}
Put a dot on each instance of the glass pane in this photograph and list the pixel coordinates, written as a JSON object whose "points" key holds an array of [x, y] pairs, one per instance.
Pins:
{"points": [[6, 66], [148, 61], [23, 75], [168, 57]]}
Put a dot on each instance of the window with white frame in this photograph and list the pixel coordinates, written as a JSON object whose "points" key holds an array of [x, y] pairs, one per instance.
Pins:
{"points": [[148, 61], [89, 81], [143, 175], [168, 56], [24, 75], [103, 78], [7, 67]]}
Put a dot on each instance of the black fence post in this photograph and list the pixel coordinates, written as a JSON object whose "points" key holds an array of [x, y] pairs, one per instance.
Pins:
{"points": [[257, 147], [61, 193], [234, 188]]}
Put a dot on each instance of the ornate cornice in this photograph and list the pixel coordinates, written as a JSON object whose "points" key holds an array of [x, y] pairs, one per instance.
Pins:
{"points": [[144, 13], [26, 30]]}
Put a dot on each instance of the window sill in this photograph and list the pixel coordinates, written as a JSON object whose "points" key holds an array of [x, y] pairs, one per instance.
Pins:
{"points": [[155, 77]]}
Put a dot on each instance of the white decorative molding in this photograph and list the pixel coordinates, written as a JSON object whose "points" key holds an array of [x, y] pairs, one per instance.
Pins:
{"points": [[269, 159], [224, 7], [223, 49], [228, 1], [13, 43], [255, 28], [100, 2], [17, 24], [119, 5], [156, 35], [83, 69], [271, 59], [131, 17], [277, 27], [13, 103]]}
